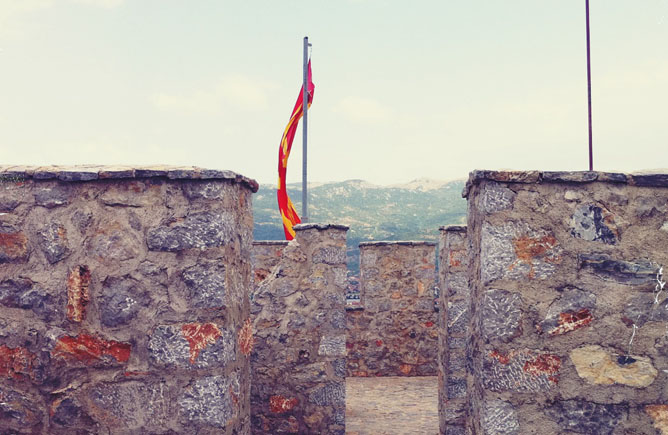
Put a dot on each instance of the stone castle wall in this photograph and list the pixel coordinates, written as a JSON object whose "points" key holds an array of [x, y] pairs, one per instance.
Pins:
{"points": [[123, 300], [395, 332], [298, 363], [568, 323], [453, 322]]}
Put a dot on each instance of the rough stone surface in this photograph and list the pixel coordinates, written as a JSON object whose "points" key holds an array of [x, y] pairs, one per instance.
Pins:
{"points": [[297, 361], [593, 223], [192, 346], [198, 230], [520, 371], [573, 310], [53, 241], [620, 271], [515, 251], [99, 333], [122, 298], [496, 198], [205, 284], [396, 332], [597, 366], [586, 417], [500, 418], [583, 252], [501, 315], [211, 401]]}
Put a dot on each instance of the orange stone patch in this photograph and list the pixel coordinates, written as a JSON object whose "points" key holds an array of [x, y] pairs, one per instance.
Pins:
{"points": [[199, 336], [88, 349], [77, 293], [528, 248], [16, 362], [405, 368], [570, 321], [544, 365], [455, 258], [13, 244], [246, 340], [280, 404], [503, 359]]}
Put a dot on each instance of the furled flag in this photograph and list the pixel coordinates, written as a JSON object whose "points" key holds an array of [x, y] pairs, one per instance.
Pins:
{"points": [[288, 212]]}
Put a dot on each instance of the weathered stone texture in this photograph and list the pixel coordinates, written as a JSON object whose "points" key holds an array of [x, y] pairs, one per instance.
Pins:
{"points": [[109, 321], [453, 322], [567, 326], [396, 332], [297, 361]]}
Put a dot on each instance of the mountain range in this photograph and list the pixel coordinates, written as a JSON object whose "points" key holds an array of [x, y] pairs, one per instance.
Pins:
{"points": [[411, 211]]}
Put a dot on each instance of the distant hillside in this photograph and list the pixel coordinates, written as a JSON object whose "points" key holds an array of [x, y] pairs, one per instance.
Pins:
{"points": [[412, 211]]}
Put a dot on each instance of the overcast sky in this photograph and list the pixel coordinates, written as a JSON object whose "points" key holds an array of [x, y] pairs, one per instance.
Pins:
{"points": [[404, 90]]}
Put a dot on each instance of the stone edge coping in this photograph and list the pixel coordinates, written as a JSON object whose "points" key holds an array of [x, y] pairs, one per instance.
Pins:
{"points": [[102, 172], [529, 177], [270, 242], [398, 242], [457, 228], [302, 227]]}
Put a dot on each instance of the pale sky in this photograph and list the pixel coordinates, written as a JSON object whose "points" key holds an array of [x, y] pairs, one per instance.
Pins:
{"points": [[404, 90]]}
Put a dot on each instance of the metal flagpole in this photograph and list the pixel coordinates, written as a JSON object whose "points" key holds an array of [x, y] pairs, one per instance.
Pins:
{"points": [[304, 133], [591, 152]]}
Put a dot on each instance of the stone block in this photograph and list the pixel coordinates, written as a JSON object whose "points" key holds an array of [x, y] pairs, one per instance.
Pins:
{"points": [[205, 285], [500, 418], [328, 394], [515, 251], [659, 415], [636, 272], [53, 242], [585, 417], [131, 405], [330, 255], [520, 371], [114, 241], [78, 294], [501, 315], [198, 230], [25, 294], [456, 388], [496, 198], [19, 412], [458, 317], [593, 223], [571, 311], [210, 401], [332, 345], [51, 197], [122, 298], [598, 366], [13, 246], [207, 190], [192, 345], [85, 349]]}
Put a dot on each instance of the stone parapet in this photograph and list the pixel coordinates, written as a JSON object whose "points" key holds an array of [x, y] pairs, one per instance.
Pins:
{"points": [[124, 300], [453, 322], [395, 334], [298, 363], [568, 323], [97, 172]]}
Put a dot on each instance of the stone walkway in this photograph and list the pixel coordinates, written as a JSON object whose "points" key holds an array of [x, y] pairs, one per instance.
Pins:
{"points": [[392, 405]]}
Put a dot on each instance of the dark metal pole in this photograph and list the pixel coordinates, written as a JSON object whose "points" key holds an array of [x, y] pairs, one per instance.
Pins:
{"points": [[304, 133], [591, 152]]}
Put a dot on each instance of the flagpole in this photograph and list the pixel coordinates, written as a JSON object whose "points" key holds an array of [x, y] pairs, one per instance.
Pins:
{"points": [[304, 133], [591, 152]]}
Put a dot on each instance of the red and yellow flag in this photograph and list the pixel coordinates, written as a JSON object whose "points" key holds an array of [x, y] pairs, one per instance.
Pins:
{"points": [[285, 206]]}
